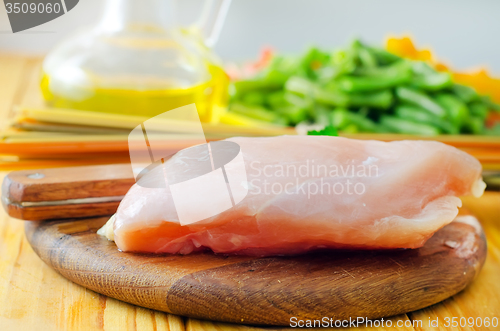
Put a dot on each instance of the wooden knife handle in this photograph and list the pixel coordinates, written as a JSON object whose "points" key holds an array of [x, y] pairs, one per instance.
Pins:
{"points": [[66, 192]]}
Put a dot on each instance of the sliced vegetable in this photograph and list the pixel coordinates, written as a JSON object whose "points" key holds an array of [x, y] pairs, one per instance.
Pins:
{"points": [[465, 93], [321, 114], [420, 115], [457, 110], [380, 99], [258, 113], [254, 98], [428, 79], [399, 125], [376, 79], [342, 118], [474, 125], [306, 87], [418, 98], [479, 109], [362, 88]]}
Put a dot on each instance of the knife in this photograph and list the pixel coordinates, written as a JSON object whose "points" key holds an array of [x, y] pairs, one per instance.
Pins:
{"points": [[59, 193]]}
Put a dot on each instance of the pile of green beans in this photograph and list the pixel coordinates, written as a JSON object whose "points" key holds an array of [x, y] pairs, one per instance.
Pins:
{"points": [[362, 89]]}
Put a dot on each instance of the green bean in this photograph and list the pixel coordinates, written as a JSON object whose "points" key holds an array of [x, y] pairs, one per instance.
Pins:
{"points": [[422, 68], [420, 115], [272, 83], [465, 93], [417, 98], [257, 112], [301, 86], [294, 114], [457, 110], [365, 56], [380, 99], [276, 99], [432, 81], [376, 79], [474, 125], [490, 104], [478, 109], [312, 60], [297, 100], [305, 87], [332, 97], [291, 106], [320, 114], [254, 98], [383, 56], [343, 61], [341, 118], [272, 78], [399, 125], [282, 66]]}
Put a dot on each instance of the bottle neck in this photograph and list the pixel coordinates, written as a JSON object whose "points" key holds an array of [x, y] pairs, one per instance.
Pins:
{"points": [[137, 15]]}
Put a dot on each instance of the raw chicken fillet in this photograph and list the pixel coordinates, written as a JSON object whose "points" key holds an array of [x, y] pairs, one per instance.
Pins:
{"points": [[299, 199]]}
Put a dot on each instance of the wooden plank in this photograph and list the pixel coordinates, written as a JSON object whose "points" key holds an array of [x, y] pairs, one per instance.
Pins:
{"points": [[13, 75], [31, 92], [32, 295], [481, 299], [13, 163], [204, 325], [35, 297]]}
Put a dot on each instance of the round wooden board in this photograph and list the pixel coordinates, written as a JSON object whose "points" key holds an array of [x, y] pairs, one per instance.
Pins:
{"points": [[240, 289]]}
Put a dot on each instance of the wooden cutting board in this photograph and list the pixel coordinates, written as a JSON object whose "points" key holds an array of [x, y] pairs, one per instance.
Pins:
{"points": [[239, 289], [270, 291]]}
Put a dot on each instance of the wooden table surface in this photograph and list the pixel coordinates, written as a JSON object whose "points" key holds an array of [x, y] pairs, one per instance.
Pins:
{"points": [[35, 297]]}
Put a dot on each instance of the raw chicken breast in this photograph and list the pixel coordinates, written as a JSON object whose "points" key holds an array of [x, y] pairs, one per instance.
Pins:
{"points": [[309, 192]]}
